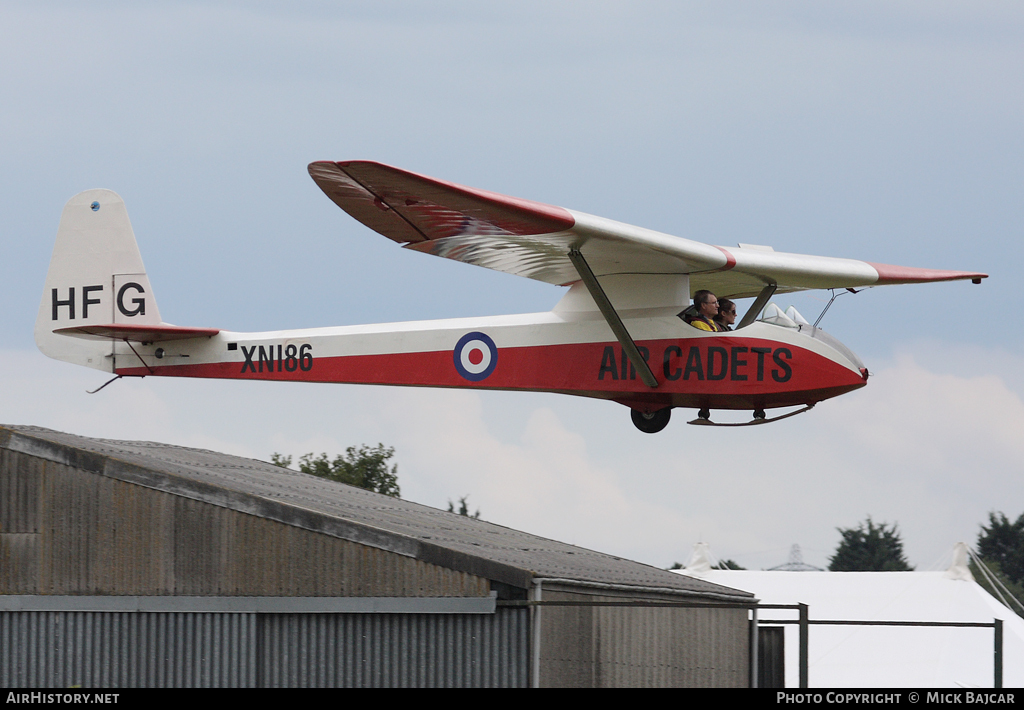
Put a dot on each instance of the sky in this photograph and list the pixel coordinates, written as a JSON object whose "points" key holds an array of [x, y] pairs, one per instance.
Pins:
{"points": [[883, 131]]}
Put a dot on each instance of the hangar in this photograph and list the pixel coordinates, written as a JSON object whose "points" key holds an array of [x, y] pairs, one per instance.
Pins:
{"points": [[139, 564]]}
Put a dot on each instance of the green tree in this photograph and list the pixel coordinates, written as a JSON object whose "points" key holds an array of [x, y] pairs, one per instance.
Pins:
{"points": [[365, 467], [463, 508], [1005, 584], [1001, 549], [1002, 544], [869, 548]]}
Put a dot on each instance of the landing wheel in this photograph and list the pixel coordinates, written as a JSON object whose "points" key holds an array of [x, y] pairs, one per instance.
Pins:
{"points": [[704, 414], [759, 414], [653, 422]]}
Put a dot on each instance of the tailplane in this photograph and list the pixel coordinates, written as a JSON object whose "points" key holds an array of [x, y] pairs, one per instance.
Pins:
{"points": [[96, 283]]}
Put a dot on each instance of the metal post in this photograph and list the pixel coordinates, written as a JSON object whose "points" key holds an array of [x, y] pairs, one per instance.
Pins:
{"points": [[999, 653], [535, 649], [804, 628], [754, 648]]}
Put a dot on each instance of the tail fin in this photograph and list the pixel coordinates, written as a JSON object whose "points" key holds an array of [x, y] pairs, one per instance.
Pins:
{"points": [[96, 278]]}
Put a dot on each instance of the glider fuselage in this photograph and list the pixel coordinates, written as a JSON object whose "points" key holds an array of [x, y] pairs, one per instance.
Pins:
{"points": [[761, 366]]}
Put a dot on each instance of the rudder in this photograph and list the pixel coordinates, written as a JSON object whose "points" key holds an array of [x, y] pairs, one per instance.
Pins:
{"points": [[96, 277]]}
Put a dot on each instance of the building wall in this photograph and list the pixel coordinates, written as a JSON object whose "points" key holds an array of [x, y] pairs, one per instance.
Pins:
{"points": [[620, 647], [58, 649], [68, 531]]}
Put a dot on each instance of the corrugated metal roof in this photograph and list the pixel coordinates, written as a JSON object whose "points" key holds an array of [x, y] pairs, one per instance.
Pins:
{"points": [[399, 526]]}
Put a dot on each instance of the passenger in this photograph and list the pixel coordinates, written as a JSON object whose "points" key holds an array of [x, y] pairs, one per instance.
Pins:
{"points": [[726, 314], [707, 308]]}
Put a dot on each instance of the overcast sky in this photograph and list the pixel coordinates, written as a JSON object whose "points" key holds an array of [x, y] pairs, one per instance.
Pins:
{"points": [[885, 131]]}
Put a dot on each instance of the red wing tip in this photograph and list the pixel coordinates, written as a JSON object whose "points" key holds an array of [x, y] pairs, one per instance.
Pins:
{"points": [[888, 274], [540, 215]]}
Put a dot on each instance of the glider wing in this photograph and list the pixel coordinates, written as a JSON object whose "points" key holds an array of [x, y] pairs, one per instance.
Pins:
{"points": [[532, 239]]}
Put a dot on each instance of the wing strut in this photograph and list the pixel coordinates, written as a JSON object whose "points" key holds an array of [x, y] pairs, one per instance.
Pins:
{"points": [[757, 306], [598, 294]]}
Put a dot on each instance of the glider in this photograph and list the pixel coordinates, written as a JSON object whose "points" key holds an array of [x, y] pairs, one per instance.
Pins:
{"points": [[616, 334]]}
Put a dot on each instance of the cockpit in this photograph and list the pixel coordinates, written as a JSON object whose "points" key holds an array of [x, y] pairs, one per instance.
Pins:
{"points": [[791, 318]]}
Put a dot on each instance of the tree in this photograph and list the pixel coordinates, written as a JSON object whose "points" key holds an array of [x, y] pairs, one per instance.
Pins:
{"points": [[1001, 549], [869, 548], [365, 467], [1002, 543], [463, 508], [1003, 584]]}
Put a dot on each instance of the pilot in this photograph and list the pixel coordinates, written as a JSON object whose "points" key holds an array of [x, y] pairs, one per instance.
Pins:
{"points": [[726, 314], [706, 304]]}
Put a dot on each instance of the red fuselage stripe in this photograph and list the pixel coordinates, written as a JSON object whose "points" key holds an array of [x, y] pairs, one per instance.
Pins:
{"points": [[732, 372]]}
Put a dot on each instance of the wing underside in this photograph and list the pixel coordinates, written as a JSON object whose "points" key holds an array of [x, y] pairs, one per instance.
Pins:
{"points": [[532, 239], [137, 333]]}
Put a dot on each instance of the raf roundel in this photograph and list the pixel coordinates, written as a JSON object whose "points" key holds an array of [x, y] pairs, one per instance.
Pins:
{"points": [[475, 356]]}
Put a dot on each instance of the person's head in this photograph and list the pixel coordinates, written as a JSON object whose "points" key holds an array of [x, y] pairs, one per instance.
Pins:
{"points": [[706, 303], [726, 311]]}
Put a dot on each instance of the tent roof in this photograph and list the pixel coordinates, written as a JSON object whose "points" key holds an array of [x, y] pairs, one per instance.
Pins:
{"points": [[861, 656]]}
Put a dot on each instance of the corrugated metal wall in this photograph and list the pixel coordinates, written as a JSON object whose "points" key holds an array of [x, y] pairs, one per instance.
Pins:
{"points": [[43, 649], [19, 521], [632, 647], [52, 649], [396, 650], [66, 531]]}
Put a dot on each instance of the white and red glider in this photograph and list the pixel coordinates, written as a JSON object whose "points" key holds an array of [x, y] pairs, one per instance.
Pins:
{"points": [[616, 334]]}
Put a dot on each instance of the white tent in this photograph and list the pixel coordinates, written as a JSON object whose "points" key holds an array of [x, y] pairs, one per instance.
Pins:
{"points": [[886, 657]]}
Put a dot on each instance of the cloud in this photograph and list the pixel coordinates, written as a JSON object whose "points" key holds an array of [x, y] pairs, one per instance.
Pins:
{"points": [[969, 418]]}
